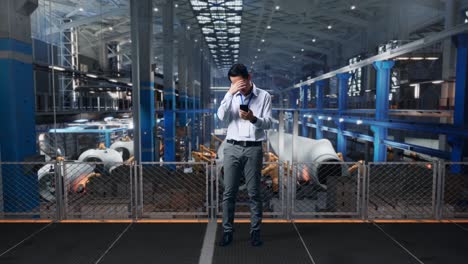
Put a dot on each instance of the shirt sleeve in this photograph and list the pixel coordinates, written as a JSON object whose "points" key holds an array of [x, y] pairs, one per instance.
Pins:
{"points": [[224, 110], [265, 120]]}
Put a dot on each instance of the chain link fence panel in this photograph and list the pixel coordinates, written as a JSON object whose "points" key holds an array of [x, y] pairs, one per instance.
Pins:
{"points": [[174, 190], [326, 190], [28, 190], [401, 190], [97, 190], [454, 190], [273, 192]]}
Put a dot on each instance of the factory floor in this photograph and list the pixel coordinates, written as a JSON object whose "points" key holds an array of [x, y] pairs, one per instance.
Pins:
{"points": [[176, 243]]}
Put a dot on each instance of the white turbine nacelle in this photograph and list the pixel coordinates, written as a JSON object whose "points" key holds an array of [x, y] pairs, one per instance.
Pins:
{"points": [[71, 172], [312, 154], [125, 148], [110, 158]]}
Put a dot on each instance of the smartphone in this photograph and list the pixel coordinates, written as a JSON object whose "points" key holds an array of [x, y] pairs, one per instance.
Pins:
{"points": [[244, 107]]}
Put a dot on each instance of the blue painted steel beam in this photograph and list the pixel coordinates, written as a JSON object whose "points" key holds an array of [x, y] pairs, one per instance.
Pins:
{"points": [[435, 128], [169, 124], [410, 126], [305, 101], [194, 123], [147, 121], [398, 145], [319, 97], [342, 105], [460, 118], [182, 116], [18, 138], [383, 69]]}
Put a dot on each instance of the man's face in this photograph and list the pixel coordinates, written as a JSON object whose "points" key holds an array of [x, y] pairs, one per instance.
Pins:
{"points": [[245, 83]]}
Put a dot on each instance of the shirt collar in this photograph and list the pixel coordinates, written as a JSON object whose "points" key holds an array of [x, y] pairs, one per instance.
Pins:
{"points": [[254, 90]]}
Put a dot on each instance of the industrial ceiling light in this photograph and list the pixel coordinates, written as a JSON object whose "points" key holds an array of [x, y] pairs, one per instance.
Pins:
{"points": [[94, 76], [294, 57], [341, 120], [268, 27], [302, 50], [176, 5], [259, 50], [314, 40], [353, 7], [188, 27], [417, 58], [438, 82], [220, 23], [359, 122], [113, 80], [402, 58], [81, 9], [432, 58], [330, 27], [277, 7], [263, 40], [57, 68], [329, 118], [155, 9], [255, 56], [111, 28]]}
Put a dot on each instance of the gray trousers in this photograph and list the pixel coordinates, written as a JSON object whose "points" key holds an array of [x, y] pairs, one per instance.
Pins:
{"points": [[240, 161]]}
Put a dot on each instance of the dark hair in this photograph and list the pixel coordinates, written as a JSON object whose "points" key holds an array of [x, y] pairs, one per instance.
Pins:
{"points": [[238, 70]]}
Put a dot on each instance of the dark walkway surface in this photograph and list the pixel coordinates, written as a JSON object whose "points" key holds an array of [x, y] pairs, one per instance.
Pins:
{"points": [[284, 243]]}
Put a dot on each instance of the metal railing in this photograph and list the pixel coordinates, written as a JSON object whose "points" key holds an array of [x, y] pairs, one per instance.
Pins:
{"points": [[96, 190], [453, 190], [402, 190], [64, 190], [326, 190], [173, 190]]}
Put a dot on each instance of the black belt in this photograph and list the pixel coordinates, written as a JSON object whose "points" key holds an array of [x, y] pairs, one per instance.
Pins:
{"points": [[245, 143]]}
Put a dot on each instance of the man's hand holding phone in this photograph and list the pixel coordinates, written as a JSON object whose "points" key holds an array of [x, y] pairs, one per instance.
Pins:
{"points": [[246, 114]]}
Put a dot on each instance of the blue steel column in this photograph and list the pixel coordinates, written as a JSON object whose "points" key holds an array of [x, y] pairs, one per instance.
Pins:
{"points": [[17, 108], [460, 119], [319, 97], [143, 80], [383, 69], [182, 74], [342, 106], [305, 101], [196, 62], [292, 99], [169, 89]]}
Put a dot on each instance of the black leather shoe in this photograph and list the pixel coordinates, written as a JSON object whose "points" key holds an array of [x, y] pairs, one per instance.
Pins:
{"points": [[255, 238], [226, 239]]}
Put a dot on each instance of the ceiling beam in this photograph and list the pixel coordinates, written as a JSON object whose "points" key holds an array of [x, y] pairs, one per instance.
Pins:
{"points": [[348, 19], [299, 45], [91, 19], [311, 33], [434, 4]]}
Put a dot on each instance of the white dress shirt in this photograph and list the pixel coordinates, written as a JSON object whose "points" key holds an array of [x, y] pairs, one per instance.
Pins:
{"points": [[244, 130]]}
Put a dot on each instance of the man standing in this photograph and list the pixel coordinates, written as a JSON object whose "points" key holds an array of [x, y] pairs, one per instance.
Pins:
{"points": [[247, 110]]}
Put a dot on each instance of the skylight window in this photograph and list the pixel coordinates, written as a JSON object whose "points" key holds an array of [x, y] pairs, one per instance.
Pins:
{"points": [[218, 18]]}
